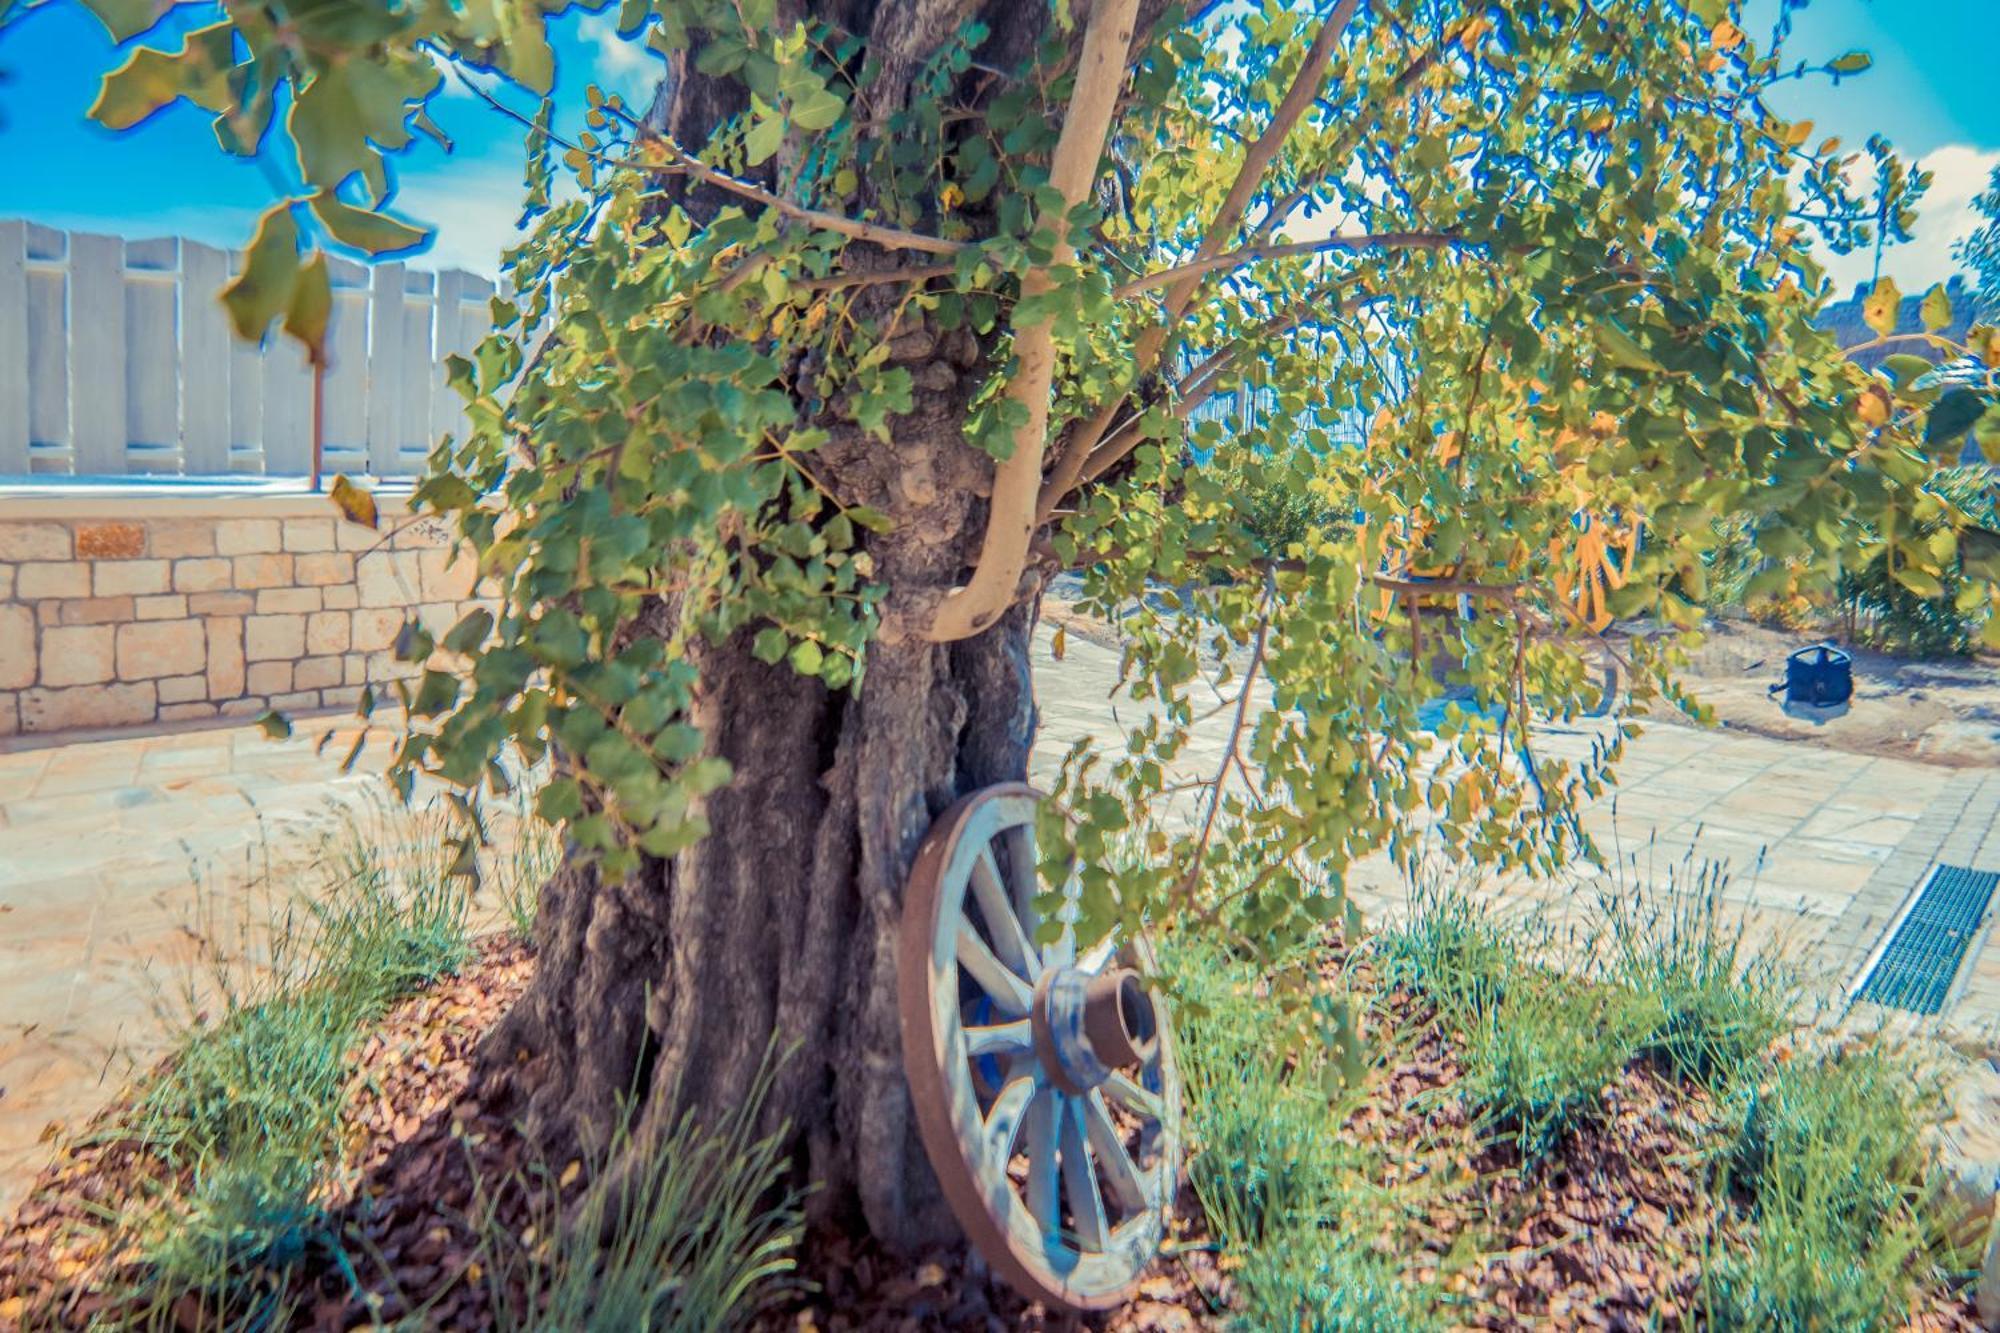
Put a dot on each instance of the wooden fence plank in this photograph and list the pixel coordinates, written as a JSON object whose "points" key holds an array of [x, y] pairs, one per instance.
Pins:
{"points": [[13, 347], [414, 412], [48, 344], [152, 356], [386, 345], [206, 364], [97, 353], [347, 369]]}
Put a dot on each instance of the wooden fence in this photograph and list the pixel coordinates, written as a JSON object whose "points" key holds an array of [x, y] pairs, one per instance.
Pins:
{"points": [[116, 359]]}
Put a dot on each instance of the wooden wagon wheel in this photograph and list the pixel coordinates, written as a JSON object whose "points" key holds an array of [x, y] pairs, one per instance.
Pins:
{"points": [[1043, 1078]]}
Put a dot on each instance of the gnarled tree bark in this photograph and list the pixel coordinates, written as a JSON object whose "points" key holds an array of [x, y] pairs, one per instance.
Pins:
{"points": [[778, 929]]}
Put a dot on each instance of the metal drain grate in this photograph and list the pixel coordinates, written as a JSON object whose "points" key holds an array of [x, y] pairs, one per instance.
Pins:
{"points": [[1915, 971]]}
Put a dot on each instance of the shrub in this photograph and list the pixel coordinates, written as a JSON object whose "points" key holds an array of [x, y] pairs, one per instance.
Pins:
{"points": [[1297, 1201], [242, 1120], [1827, 1156], [1452, 951], [1537, 1064], [1706, 1012]]}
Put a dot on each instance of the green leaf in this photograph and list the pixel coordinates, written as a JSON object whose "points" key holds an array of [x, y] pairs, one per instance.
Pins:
{"points": [[764, 138], [1623, 350], [559, 799], [413, 642], [151, 77], [437, 692], [817, 110], [770, 645], [125, 19], [1919, 581], [362, 228], [470, 631], [306, 314], [274, 725], [1936, 309], [807, 658], [1953, 416], [1905, 369], [255, 296]]}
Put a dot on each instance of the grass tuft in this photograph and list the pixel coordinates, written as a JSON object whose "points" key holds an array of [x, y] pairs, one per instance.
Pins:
{"points": [[1709, 1008], [1284, 1188], [701, 1238], [1829, 1162]]}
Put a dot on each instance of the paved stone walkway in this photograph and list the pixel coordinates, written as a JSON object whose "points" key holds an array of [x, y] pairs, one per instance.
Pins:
{"points": [[103, 843]]}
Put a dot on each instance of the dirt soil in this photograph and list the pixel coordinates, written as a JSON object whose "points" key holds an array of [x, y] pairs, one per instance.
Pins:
{"points": [[1944, 711], [1607, 1235]]}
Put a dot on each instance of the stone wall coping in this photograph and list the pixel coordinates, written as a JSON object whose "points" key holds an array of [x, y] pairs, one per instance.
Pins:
{"points": [[175, 498]]}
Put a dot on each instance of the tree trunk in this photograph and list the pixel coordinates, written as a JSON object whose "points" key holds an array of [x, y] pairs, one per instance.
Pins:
{"points": [[778, 930]]}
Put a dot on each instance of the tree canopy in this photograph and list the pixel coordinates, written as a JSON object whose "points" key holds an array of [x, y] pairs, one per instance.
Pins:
{"points": [[1528, 291]]}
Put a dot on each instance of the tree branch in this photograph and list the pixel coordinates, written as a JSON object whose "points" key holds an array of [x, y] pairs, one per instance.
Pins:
{"points": [[686, 163], [1010, 519], [889, 238], [1251, 254], [1077, 450]]}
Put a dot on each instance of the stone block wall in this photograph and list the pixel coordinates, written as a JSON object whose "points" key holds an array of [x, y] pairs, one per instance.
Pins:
{"points": [[122, 612]]}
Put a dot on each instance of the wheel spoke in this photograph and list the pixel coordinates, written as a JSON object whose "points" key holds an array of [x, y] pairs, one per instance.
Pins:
{"points": [[1121, 1088], [1027, 884], [1010, 994], [1010, 939], [1003, 1122], [1086, 1204], [1042, 1163], [998, 1038], [1127, 1183]]}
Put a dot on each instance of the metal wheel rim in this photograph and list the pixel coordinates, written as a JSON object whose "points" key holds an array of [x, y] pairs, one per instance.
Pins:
{"points": [[1077, 1228]]}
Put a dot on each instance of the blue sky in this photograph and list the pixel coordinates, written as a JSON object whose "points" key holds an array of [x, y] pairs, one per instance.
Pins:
{"points": [[1931, 91]]}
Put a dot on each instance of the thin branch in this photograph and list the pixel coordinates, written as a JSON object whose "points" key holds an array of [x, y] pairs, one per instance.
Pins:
{"points": [[889, 238], [1300, 96], [687, 164], [838, 281], [1251, 254], [1233, 753], [1078, 450], [1334, 155]]}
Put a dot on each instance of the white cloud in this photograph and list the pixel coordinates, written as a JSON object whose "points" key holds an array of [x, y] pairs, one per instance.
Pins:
{"points": [[473, 204], [1945, 216], [623, 65]]}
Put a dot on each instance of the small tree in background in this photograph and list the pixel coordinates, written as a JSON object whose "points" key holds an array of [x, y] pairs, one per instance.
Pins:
{"points": [[885, 310], [1980, 251]]}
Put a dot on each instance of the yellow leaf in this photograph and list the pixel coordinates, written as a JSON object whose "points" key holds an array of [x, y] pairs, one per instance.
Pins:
{"points": [[1881, 305], [1725, 36], [1873, 409], [1060, 643], [569, 1174], [1798, 132], [354, 502]]}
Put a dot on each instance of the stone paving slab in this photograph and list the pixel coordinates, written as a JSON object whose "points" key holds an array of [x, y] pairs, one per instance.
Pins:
{"points": [[102, 842]]}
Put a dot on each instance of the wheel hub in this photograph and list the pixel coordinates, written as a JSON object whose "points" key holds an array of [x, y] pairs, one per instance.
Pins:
{"points": [[1086, 1026]]}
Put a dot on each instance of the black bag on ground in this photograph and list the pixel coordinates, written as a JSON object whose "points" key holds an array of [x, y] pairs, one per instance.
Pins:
{"points": [[1817, 677]]}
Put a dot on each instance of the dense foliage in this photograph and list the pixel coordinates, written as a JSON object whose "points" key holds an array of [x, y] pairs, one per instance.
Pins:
{"points": [[1555, 261]]}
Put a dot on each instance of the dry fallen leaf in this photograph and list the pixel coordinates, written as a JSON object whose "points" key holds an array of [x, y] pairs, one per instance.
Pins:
{"points": [[354, 502]]}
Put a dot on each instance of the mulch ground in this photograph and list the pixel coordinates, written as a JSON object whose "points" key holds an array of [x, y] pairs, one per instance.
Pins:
{"points": [[1606, 1235]]}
